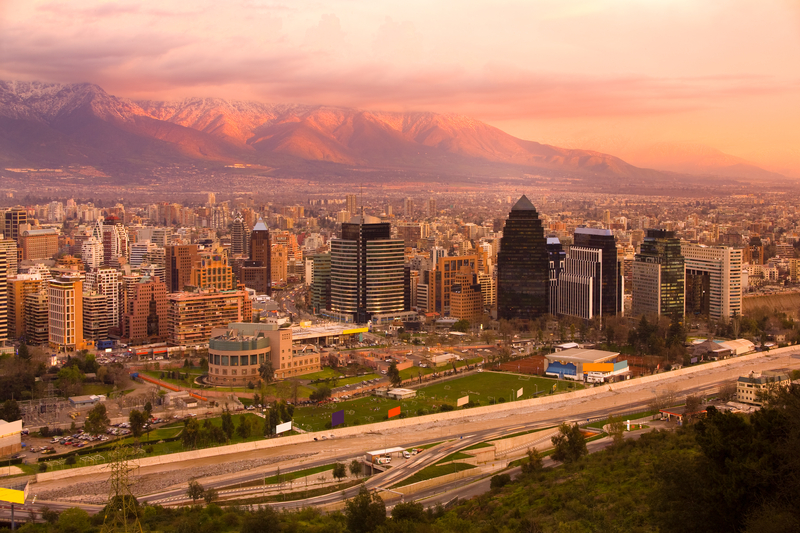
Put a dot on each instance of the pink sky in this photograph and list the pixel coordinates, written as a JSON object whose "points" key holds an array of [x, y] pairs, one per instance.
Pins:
{"points": [[607, 75]]}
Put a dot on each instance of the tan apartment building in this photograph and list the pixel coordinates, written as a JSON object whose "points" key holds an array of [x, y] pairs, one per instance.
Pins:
{"points": [[65, 313], [192, 315]]}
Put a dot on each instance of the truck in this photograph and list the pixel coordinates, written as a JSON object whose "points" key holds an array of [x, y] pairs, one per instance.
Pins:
{"points": [[102, 345]]}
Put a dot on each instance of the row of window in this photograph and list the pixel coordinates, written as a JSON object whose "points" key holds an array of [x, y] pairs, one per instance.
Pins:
{"points": [[237, 360]]}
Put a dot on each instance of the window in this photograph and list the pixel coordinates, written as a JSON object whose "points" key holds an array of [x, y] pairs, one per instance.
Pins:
{"points": [[254, 359], [224, 360], [234, 360]]}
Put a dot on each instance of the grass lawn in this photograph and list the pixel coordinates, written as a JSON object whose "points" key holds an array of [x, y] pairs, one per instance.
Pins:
{"points": [[416, 371], [354, 379], [479, 386], [432, 472], [96, 388], [478, 446], [453, 457], [272, 480], [485, 385], [520, 433], [326, 372]]}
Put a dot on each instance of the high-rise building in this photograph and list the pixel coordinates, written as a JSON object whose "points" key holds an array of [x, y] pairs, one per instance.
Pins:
{"points": [[38, 243], [12, 250], [321, 282], [658, 275], [523, 289], [432, 207], [115, 242], [19, 287], [37, 309], [279, 263], [212, 199], [608, 290], [192, 315], [466, 298], [12, 220], [213, 271], [139, 251], [440, 281], [92, 253], [367, 270], [261, 253], [240, 237], [146, 317], [408, 208], [108, 282], [95, 317], [179, 260], [4, 309], [713, 280], [556, 256], [578, 287], [352, 204], [65, 316]]}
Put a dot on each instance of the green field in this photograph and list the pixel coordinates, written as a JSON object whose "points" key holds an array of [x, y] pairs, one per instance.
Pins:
{"points": [[414, 371], [480, 387], [432, 472], [485, 385]]}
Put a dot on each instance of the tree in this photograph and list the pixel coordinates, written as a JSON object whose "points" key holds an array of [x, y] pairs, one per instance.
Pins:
{"points": [[195, 490], [210, 495], [365, 512], [243, 430], [70, 380], [569, 445], [322, 393], [462, 326], [191, 433], [23, 352], [616, 429], [339, 471], [693, 407], [394, 375], [97, 421], [534, 463], [137, 420], [10, 411], [356, 468], [227, 424], [266, 371], [487, 336], [73, 520], [148, 410], [506, 330], [727, 391]]}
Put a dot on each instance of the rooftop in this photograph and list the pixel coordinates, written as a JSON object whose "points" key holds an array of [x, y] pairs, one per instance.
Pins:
{"points": [[523, 204], [581, 355]]}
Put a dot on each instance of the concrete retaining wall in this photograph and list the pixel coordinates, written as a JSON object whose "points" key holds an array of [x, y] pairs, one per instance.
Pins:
{"points": [[447, 478], [407, 422], [506, 445]]}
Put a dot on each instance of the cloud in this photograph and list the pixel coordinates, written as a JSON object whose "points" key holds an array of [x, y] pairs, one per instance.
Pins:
{"points": [[398, 40], [326, 35]]}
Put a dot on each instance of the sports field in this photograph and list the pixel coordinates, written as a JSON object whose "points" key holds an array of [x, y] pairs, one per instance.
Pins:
{"points": [[483, 387]]}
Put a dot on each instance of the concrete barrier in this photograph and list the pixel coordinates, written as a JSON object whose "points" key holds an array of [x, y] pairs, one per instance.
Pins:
{"points": [[447, 478], [413, 421], [504, 446]]}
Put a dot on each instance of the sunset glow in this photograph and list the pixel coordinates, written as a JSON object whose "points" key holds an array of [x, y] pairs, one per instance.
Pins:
{"points": [[614, 76]]}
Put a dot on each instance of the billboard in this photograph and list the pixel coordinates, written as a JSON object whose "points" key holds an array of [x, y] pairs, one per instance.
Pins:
{"points": [[337, 418], [394, 412], [464, 400], [519, 392], [286, 426]]}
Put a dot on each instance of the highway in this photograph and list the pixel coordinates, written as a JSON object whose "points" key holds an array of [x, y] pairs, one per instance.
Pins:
{"points": [[478, 428]]}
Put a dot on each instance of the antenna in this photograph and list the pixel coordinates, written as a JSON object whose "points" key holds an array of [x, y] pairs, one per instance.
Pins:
{"points": [[362, 202]]}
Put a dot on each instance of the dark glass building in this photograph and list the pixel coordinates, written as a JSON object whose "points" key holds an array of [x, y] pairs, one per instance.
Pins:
{"points": [[608, 297], [557, 256], [658, 275], [523, 266]]}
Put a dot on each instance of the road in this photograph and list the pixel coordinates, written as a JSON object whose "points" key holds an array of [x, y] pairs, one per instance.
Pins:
{"points": [[481, 427]]}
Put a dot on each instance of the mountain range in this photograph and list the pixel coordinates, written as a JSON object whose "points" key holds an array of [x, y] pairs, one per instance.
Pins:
{"points": [[47, 125]]}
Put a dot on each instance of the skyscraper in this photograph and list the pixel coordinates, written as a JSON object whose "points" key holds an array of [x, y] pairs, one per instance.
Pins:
{"points": [[523, 287], [367, 275], [608, 293], [352, 204], [4, 310], [408, 208], [713, 280], [65, 316], [13, 218], [240, 237], [179, 260], [261, 253], [658, 275]]}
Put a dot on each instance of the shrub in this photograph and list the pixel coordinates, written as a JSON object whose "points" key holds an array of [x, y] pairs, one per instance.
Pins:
{"points": [[251, 385], [446, 407], [149, 449], [501, 400], [44, 431], [42, 467], [71, 459], [500, 481]]}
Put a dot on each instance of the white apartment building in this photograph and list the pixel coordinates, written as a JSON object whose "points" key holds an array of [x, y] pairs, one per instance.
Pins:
{"points": [[722, 266], [65, 313]]}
